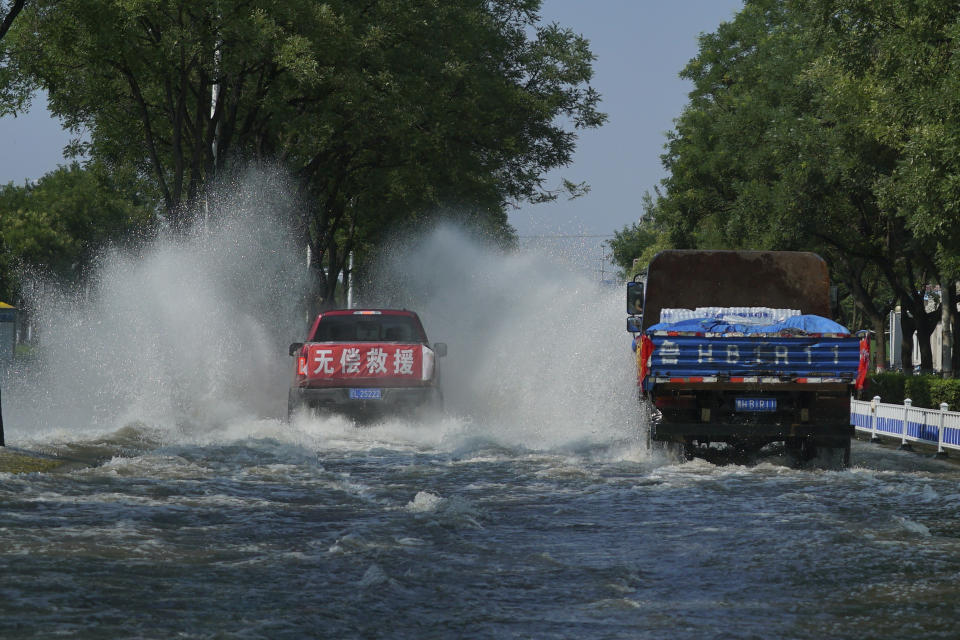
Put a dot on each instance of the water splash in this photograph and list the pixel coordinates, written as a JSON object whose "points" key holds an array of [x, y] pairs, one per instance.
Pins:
{"points": [[539, 357], [185, 332], [188, 335]]}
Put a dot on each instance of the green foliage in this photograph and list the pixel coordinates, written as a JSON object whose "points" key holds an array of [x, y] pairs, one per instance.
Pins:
{"points": [[15, 89], [389, 112], [826, 126], [888, 385], [57, 224], [924, 391], [917, 388], [633, 247], [945, 390]]}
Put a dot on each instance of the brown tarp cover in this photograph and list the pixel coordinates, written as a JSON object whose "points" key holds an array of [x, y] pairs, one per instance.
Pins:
{"points": [[687, 279]]}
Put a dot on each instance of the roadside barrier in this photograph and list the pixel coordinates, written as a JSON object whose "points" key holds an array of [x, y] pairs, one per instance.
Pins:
{"points": [[908, 423]]}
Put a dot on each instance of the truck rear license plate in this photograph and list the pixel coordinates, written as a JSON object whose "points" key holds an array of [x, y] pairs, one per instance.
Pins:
{"points": [[756, 404], [365, 394]]}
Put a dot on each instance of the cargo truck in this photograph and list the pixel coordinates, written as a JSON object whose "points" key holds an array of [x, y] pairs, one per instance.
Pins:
{"points": [[737, 356]]}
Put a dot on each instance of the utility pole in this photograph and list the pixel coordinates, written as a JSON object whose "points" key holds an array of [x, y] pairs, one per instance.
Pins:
{"points": [[214, 98], [350, 283]]}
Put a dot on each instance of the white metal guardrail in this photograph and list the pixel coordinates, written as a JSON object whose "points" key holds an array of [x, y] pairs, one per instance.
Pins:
{"points": [[911, 424]]}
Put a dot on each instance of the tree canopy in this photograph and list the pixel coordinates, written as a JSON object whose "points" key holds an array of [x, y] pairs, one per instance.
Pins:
{"points": [[14, 89], [56, 225], [827, 125], [387, 112]]}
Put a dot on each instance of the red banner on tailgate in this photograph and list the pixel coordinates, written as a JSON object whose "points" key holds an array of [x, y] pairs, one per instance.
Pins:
{"points": [[365, 360]]}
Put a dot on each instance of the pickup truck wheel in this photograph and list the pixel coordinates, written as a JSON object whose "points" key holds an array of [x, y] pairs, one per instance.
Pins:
{"points": [[293, 405], [432, 408]]}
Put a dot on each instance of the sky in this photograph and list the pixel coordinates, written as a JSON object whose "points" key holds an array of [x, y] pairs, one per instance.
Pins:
{"points": [[640, 45]]}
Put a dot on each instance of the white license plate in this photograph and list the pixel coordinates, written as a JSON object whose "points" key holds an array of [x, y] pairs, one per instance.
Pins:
{"points": [[365, 394], [756, 404]]}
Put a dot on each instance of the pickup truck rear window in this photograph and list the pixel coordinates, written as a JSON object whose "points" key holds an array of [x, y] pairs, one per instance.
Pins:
{"points": [[383, 328]]}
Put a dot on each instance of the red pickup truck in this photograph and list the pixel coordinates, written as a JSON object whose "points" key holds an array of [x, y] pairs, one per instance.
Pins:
{"points": [[365, 362]]}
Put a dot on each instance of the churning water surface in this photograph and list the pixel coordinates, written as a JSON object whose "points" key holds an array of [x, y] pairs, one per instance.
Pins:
{"points": [[191, 509]]}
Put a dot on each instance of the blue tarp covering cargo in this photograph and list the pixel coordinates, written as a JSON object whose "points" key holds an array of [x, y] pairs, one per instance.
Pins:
{"points": [[801, 323]]}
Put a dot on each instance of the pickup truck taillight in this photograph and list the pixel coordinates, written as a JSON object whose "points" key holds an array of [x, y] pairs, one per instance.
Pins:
{"points": [[428, 363]]}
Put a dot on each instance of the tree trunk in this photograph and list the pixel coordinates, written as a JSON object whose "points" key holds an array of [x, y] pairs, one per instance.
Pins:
{"points": [[907, 329], [948, 310], [955, 325], [925, 328], [317, 296], [878, 357]]}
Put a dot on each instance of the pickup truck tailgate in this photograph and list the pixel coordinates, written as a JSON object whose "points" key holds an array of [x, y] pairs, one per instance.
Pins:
{"points": [[329, 362]]}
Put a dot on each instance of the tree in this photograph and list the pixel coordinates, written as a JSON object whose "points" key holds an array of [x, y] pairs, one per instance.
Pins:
{"points": [[899, 59], [58, 224], [782, 146], [140, 79], [386, 111], [755, 162], [633, 247], [11, 9], [464, 120], [14, 90]]}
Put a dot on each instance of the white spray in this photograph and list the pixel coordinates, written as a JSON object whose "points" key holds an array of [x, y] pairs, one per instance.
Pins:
{"points": [[186, 332], [188, 335], [538, 352]]}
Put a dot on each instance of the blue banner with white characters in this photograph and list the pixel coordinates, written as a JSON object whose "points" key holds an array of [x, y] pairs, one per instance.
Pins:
{"points": [[807, 356]]}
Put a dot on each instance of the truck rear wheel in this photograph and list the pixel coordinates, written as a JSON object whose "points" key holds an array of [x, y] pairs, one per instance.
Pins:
{"points": [[293, 404], [818, 453]]}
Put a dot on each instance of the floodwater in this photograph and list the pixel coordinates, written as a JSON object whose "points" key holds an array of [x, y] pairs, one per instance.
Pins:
{"points": [[321, 529], [190, 508]]}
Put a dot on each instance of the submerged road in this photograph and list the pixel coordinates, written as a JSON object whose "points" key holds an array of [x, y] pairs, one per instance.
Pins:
{"points": [[532, 511], [318, 529]]}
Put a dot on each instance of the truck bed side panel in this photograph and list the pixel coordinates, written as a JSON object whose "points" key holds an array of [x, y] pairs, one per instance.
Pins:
{"points": [[696, 356]]}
